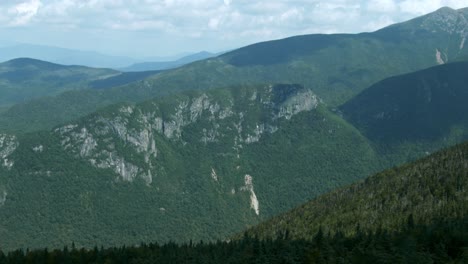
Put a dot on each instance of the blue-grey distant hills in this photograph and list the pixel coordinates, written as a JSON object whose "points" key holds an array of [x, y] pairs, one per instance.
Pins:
{"points": [[64, 56], [24, 79], [164, 65]]}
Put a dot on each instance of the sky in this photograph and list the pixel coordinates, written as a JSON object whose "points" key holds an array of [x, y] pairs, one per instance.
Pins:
{"points": [[145, 28]]}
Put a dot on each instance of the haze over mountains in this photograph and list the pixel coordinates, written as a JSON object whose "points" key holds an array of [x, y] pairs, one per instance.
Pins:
{"points": [[233, 140], [10, 51]]}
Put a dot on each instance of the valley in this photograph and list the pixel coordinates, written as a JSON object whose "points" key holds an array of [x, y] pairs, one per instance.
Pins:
{"points": [[271, 144]]}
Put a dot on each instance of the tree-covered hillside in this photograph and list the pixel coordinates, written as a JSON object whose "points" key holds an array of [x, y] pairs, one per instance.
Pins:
{"points": [[440, 242], [25, 79], [196, 165], [415, 113], [427, 191], [426, 222]]}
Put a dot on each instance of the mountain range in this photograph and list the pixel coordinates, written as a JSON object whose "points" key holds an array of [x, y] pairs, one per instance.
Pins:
{"points": [[336, 67], [208, 149], [64, 56]]}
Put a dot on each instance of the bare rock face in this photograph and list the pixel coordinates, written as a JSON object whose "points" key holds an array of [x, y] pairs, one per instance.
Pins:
{"points": [[248, 187], [304, 100], [447, 20], [125, 140], [3, 197], [8, 144]]}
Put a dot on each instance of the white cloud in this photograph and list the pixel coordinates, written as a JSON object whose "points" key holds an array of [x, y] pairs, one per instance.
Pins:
{"points": [[419, 7], [382, 6], [211, 22], [379, 23], [22, 13]]}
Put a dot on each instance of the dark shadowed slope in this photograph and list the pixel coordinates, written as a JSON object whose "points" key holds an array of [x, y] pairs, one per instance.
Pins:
{"points": [[425, 106]]}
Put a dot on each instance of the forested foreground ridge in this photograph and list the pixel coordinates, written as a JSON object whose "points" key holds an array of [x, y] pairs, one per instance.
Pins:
{"points": [[428, 190], [416, 235], [440, 242]]}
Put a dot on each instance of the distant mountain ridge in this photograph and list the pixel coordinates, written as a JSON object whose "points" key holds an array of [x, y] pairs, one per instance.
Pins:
{"points": [[64, 56], [24, 79]]}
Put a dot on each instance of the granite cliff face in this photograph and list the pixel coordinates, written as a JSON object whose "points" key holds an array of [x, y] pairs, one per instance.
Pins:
{"points": [[8, 144], [447, 20], [135, 127]]}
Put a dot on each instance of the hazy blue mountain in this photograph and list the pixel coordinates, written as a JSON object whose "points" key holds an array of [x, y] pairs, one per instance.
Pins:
{"points": [[24, 79], [64, 56], [164, 65]]}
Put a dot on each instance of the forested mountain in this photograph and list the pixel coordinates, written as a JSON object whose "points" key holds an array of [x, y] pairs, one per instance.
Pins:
{"points": [[335, 67], [422, 222], [224, 159], [422, 106], [424, 192], [24, 79], [244, 153]]}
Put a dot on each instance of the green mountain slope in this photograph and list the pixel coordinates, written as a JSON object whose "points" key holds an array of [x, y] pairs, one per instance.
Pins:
{"points": [[197, 165], [427, 108], [25, 79], [121, 79], [433, 188], [335, 67]]}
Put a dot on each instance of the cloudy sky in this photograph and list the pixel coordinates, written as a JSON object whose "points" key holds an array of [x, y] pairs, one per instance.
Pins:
{"points": [[165, 27]]}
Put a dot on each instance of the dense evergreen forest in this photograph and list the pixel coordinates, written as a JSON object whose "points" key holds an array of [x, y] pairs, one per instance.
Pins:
{"points": [[413, 233], [440, 242]]}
